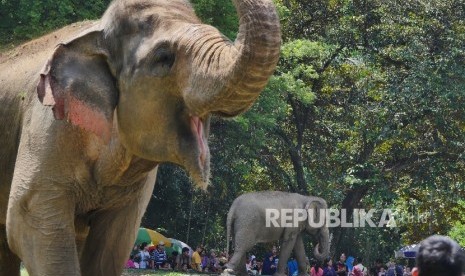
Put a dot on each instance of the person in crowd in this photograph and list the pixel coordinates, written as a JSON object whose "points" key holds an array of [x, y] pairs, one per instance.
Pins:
{"points": [[391, 268], [158, 259], [222, 261], [439, 256], [359, 268], [254, 267], [328, 269], [134, 257], [213, 264], [130, 263], [316, 269], [185, 268], [197, 259], [382, 272], [204, 260], [394, 269], [248, 263], [172, 260], [144, 256], [340, 267], [292, 267], [407, 271], [377, 267], [183, 261], [134, 252], [270, 262]]}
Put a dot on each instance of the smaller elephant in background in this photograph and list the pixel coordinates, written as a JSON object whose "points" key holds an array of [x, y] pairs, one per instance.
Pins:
{"points": [[249, 223]]}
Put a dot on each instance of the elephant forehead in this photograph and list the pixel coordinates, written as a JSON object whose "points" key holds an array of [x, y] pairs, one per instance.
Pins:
{"points": [[126, 17]]}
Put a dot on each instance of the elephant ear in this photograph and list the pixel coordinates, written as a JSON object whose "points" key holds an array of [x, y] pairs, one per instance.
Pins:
{"points": [[78, 84], [314, 205]]}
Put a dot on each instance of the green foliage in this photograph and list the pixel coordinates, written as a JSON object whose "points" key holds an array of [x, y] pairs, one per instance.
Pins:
{"points": [[25, 19], [458, 230], [220, 14]]}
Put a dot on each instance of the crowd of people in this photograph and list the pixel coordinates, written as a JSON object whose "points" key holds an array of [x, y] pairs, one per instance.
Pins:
{"points": [[437, 256], [314, 268], [146, 257]]}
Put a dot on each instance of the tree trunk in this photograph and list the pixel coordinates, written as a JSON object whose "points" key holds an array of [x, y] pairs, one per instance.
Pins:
{"points": [[206, 220], [190, 216], [352, 200], [297, 163]]}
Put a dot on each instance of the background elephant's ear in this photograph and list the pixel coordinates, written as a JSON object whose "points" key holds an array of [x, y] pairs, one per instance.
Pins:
{"points": [[79, 85], [315, 206]]}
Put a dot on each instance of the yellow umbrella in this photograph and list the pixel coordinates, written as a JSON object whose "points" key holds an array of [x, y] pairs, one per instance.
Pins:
{"points": [[151, 236]]}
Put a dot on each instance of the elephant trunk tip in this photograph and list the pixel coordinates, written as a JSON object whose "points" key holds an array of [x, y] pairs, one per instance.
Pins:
{"points": [[320, 254]]}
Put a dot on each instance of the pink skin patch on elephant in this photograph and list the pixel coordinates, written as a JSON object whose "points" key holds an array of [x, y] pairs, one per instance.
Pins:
{"points": [[197, 129], [74, 110], [83, 115]]}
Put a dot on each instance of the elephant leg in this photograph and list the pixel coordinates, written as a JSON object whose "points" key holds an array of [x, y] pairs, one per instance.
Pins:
{"points": [[287, 245], [108, 245], [243, 242], [9, 262], [112, 234], [299, 251], [82, 231], [40, 230]]}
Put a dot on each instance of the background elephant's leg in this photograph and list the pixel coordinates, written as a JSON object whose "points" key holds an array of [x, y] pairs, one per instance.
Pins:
{"points": [[9, 262], [243, 242], [287, 245], [299, 251]]}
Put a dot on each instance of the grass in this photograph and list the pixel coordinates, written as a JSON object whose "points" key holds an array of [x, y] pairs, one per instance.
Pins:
{"points": [[143, 272]]}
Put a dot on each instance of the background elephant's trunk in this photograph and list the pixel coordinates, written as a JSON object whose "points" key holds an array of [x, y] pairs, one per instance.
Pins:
{"points": [[228, 77], [322, 248]]}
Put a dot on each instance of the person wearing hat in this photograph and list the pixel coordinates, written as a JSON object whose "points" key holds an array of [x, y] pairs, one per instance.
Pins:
{"points": [[159, 257]]}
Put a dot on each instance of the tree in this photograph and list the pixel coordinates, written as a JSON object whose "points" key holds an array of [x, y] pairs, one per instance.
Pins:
{"points": [[458, 230], [21, 20]]}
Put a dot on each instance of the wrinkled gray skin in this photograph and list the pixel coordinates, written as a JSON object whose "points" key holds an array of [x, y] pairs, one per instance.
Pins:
{"points": [[247, 224], [89, 111]]}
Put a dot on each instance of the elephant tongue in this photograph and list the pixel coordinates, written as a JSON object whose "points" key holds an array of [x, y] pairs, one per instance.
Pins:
{"points": [[197, 129]]}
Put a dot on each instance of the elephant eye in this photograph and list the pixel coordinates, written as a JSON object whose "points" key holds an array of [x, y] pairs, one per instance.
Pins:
{"points": [[162, 61]]}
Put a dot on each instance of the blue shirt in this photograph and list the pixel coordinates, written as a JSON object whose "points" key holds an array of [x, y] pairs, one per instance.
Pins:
{"points": [[293, 267], [159, 257]]}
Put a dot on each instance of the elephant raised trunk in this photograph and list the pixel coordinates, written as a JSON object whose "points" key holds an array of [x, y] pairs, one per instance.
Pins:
{"points": [[248, 62]]}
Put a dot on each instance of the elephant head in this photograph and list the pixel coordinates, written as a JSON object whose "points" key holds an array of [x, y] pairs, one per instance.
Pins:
{"points": [[149, 75], [318, 206]]}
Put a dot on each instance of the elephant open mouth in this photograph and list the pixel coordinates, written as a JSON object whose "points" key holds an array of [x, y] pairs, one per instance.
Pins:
{"points": [[198, 162], [197, 127]]}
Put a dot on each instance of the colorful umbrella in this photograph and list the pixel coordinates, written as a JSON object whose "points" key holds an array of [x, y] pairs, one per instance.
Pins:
{"points": [[151, 237]]}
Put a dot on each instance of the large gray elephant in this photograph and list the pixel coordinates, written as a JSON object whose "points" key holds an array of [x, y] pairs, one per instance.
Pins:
{"points": [[247, 221], [89, 111]]}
